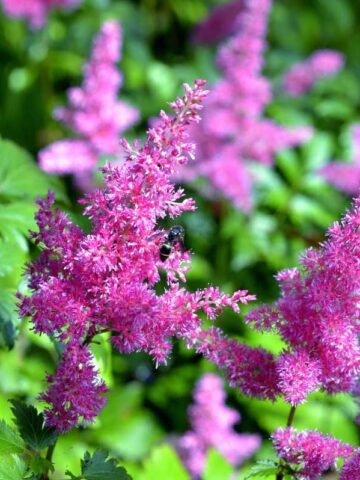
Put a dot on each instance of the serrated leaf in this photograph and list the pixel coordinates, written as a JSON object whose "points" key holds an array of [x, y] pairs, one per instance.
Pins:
{"points": [[263, 468], [41, 465], [12, 468], [21, 178], [10, 441], [16, 219], [217, 468], [31, 426], [100, 467], [8, 318]]}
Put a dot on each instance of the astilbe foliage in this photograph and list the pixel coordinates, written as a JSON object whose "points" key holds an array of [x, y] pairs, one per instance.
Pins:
{"points": [[85, 284], [94, 114], [311, 450], [234, 131], [212, 425], [35, 12], [346, 176], [302, 76], [317, 315]]}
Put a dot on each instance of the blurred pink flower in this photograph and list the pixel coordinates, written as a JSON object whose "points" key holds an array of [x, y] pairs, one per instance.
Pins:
{"points": [[234, 131], [301, 76], [95, 114], [212, 425], [220, 23], [351, 468], [35, 11], [346, 176]]}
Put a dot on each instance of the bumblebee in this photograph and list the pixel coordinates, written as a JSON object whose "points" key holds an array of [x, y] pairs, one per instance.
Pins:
{"points": [[174, 236]]}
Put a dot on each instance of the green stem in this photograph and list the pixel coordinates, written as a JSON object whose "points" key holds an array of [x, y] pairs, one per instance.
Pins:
{"points": [[49, 454], [280, 475]]}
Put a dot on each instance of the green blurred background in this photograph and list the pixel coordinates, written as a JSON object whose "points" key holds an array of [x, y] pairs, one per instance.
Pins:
{"points": [[294, 206]]}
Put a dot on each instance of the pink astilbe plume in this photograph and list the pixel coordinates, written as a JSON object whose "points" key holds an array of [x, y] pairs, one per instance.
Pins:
{"points": [[212, 425], [302, 76], [85, 284], [317, 315], [346, 176], [234, 132], [313, 452], [351, 468], [94, 114], [35, 11]]}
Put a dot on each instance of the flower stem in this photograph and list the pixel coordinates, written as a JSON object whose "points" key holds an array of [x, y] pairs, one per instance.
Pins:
{"points": [[280, 475], [49, 454]]}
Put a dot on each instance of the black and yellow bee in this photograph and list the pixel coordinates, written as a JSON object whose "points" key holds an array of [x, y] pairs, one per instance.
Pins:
{"points": [[175, 236]]}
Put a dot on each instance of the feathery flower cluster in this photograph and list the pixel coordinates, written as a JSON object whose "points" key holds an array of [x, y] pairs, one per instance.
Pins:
{"points": [[212, 427], [35, 11], [302, 76], [351, 468], [234, 131], [95, 114], [317, 315], [85, 284], [314, 452], [346, 176]]}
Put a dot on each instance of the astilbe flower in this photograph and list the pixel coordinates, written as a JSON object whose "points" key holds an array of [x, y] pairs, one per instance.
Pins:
{"points": [[346, 176], [317, 315], [234, 132], [94, 114], [84, 284], [35, 11], [212, 427], [312, 451], [302, 76], [351, 468], [220, 23]]}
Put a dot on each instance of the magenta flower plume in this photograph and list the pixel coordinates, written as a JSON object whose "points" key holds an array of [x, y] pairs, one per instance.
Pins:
{"points": [[95, 114], [85, 284], [313, 452], [317, 315], [75, 391], [234, 132], [351, 468], [346, 176], [35, 12], [212, 427], [302, 76]]}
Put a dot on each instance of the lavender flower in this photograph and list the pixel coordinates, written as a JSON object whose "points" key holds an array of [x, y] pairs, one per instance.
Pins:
{"points": [[314, 452], [95, 114], [85, 284], [35, 11], [351, 468], [212, 427], [346, 176], [301, 76], [234, 132]]}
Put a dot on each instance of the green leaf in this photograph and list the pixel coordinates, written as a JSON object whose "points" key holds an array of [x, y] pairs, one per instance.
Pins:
{"points": [[12, 468], [217, 468], [163, 463], [10, 441], [21, 178], [99, 467], [40, 465], [16, 219], [262, 469], [31, 426], [8, 318]]}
